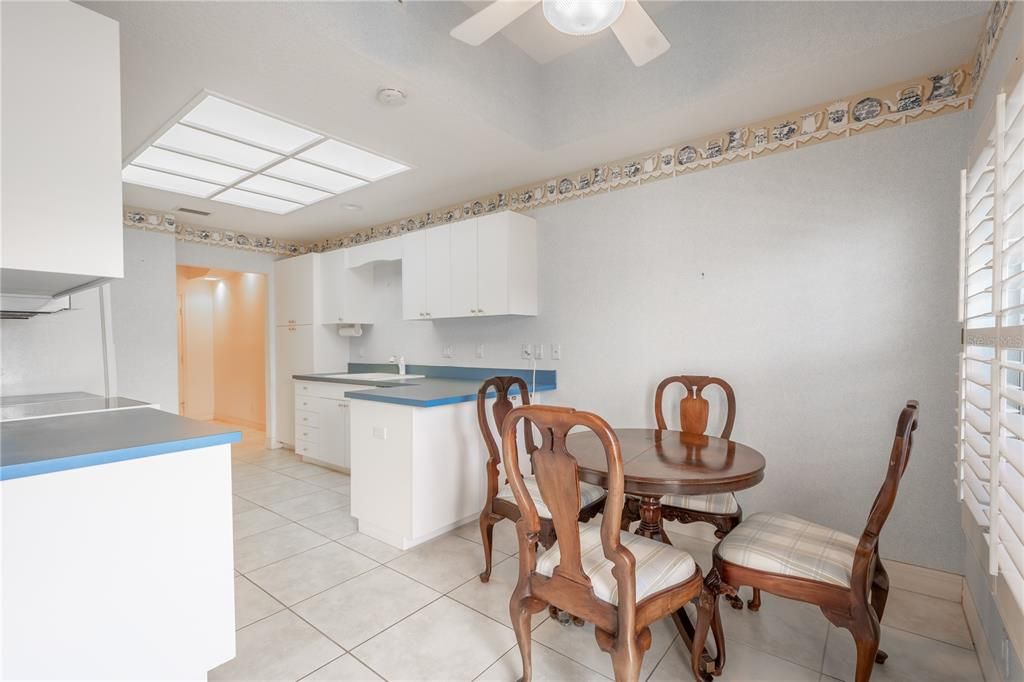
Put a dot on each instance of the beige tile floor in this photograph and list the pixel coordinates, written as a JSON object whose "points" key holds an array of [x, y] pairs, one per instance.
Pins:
{"points": [[315, 600]]}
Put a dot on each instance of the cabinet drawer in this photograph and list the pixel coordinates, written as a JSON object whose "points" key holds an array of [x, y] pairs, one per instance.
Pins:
{"points": [[310, 433], [306, 448], [305, 387], [305, 402], [305, 418]]}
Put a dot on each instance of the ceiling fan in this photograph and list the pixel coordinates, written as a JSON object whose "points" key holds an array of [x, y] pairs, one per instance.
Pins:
{"points": [[634, 28]]}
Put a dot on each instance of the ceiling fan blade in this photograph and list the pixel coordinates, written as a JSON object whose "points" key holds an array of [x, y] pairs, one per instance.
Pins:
{"points": [[638, 34], [490, 20]]}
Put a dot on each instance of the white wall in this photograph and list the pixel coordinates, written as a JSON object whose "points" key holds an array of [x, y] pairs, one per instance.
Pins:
{"points": [[54, 353], [820, 283], [63, 352], [145, 320]]}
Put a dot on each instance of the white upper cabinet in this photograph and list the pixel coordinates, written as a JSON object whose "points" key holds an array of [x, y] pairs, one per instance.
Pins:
{"points": [[61, 154], [296, 290], [427, 274], [439, 272], [346, 292], [464, 268], [494, 265]]}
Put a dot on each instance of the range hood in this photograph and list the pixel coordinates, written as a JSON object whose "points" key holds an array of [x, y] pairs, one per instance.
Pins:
{"points": [[27, 293]]}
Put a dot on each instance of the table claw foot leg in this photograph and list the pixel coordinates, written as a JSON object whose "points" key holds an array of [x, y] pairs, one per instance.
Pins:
{"points": [[880, 657]]}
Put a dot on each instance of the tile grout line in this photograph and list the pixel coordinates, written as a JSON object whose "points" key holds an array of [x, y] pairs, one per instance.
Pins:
{"points": [[450, 592]]}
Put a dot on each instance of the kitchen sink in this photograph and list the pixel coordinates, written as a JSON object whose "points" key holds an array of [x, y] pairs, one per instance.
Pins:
{"points": [[376, 376]]}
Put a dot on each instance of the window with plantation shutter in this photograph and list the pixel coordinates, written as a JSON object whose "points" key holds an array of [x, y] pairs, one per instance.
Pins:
{"points": [[990, 470]]}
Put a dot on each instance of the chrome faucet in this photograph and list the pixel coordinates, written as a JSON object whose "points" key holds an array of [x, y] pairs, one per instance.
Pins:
{"points": [[400, 361]]}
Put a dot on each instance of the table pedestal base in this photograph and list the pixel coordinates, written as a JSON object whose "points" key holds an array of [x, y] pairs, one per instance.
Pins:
{"points": [[651, 527]]}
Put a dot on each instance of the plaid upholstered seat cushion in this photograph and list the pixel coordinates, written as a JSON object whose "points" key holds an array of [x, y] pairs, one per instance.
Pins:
{"points": [[588, 493], [788, 545], [658, 566], [719, 503]]}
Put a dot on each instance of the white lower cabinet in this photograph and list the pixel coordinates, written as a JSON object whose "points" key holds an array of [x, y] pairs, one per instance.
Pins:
{"points": [[322, 428]]}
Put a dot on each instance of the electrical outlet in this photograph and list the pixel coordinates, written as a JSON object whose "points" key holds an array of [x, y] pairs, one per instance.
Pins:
{"points": [[556, 351], [480, 351], [362, 351], [448, 350], [538, 351], [526, 352]]}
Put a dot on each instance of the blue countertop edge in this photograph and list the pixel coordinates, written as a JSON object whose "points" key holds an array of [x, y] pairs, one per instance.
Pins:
{"points": [[434, 402], [12, 471]]}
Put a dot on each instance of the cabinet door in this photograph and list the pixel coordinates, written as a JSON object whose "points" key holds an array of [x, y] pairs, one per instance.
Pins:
{"points": [[61, 139], [439, 271], [332, 287], [334, 445], [293, 354], [414, 275], [295, 281], [464, 268], [493, 234]]}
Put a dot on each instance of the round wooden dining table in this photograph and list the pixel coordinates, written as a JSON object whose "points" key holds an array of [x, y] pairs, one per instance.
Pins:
{"points": [[660, 462]]}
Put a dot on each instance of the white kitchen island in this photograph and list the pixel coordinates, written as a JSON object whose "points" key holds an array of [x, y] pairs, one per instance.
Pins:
{"points": [[116, 547], [416, 454]]}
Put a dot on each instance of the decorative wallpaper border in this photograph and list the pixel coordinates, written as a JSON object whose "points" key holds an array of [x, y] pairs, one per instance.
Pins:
{"points": [[157, 221], [893, 105], [897, 104], [988, 39]]}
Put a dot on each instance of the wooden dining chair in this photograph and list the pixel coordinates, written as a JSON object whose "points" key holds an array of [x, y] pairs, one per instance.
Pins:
{"points": [[619, 581], [843, 575], [501, 503], [721, 510]]}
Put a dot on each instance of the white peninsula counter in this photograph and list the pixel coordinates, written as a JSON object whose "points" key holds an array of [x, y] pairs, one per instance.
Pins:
{"points": [[116, 546], [417, 456]]}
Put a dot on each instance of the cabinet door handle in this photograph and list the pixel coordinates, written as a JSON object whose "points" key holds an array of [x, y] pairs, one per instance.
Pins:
{"points": [[480, 310]]}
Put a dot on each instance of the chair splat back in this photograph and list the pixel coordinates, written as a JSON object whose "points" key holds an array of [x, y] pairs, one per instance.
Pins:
{"points": [[899, 457], [693, 408], [557, 476], [502, 386]]}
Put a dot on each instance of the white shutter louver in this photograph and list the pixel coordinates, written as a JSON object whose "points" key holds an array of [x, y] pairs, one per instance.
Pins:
{"points": [[990, 470]]}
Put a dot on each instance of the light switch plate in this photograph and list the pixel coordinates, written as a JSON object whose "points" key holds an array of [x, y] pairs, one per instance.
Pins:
{"points": [[479, 351], [448, 350], [380, 432], [538, 351], [526, 351], [556, 351]]}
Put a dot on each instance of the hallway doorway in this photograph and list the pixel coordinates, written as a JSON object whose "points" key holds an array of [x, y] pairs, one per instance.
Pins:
{"points": [[222, 343]]}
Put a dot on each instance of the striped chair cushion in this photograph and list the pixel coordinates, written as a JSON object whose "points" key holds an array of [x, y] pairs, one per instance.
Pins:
{"points": [[588, 494], [719, 503], [788, 545], [658, 566]]}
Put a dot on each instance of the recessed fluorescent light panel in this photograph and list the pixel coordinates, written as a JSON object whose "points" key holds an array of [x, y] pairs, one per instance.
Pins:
{"points": [[228, 152], [352, 160]]}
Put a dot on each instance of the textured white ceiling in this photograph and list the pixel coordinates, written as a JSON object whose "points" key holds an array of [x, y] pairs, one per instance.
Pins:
{"points": [[517, 109]]}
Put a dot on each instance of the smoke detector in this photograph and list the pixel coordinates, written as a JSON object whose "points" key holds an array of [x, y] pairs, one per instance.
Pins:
{"points": [[391, 97]]}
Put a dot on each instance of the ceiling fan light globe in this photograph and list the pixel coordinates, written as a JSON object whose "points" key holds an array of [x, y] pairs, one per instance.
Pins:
{"points": [[582, 17]]}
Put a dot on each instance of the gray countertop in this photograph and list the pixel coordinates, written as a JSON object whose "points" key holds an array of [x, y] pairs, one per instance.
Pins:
{"points": [[50, 444], [62, 403], [425, 391]]}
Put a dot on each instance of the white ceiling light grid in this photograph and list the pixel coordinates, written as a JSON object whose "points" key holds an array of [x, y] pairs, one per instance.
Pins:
{"points": [[220, 150]]}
